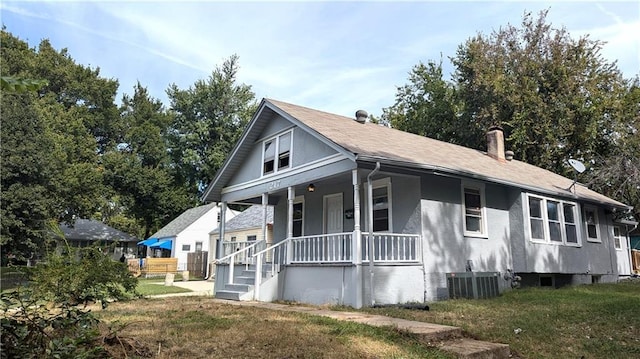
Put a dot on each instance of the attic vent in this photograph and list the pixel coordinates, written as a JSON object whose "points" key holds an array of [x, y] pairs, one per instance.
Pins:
{"points": [[361, 116]]}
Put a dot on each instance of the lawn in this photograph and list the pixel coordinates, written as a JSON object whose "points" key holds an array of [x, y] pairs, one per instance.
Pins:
{"points": [[590, 321], [155, 286], [196, 327]]}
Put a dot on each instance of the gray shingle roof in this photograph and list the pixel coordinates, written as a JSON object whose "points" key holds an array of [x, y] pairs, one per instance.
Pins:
{"points": [[373, 142], [183, 221], [247, 219], [92, 230]]}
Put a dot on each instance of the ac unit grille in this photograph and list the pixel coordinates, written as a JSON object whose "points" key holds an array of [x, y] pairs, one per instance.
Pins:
{"points": [[473, 285]]}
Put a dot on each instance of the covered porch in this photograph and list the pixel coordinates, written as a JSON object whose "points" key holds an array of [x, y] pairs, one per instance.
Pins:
{"points": [[333, 243]]}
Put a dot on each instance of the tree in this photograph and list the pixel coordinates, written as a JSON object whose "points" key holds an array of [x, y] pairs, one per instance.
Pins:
{"points": [[139, 168], [26, 178], [555, 97], [52, 138], [208, 120]]}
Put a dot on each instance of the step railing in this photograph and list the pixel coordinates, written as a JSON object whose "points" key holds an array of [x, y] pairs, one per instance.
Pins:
{"points": [[392, 247], [243, 255]]}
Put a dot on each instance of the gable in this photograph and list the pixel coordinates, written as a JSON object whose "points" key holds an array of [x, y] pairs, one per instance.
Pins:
{"points": [[246, 163]]}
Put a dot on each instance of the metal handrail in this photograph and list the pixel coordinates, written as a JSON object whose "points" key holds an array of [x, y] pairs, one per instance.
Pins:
{"points": [[221, 260]]}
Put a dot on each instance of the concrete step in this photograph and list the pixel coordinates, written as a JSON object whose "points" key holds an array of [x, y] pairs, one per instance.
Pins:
{"points": [[474, 349], [238, 287], [234, 295], [245, 280], [228, 294]]}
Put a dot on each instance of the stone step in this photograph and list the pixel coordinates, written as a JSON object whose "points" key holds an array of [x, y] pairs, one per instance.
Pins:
{"points": [[474, 349]]}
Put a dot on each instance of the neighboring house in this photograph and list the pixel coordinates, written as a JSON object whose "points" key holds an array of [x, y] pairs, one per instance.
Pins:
{"points": [[367, 214], [86, 232], [189, 232], [245, 229]]}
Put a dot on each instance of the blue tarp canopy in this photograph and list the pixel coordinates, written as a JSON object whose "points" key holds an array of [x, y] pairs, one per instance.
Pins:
{"points": [[162, 244], [148, 242]]}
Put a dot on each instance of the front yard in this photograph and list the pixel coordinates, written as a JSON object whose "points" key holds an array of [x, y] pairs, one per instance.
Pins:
{"points": [[593, 321]]}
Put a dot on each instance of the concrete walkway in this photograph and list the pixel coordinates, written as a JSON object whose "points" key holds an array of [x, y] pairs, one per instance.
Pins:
{"points": [[447, 338]]}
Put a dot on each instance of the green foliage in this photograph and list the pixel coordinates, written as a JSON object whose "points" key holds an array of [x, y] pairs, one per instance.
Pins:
{"points": [[555, 96], [49, 317], [10, 84], [209, 118], [81, 276]]}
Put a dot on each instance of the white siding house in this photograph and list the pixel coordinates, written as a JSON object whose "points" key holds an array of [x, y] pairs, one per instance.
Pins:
{"points": [[189, 232]]}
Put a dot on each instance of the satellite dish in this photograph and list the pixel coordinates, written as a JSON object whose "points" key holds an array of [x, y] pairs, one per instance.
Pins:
{"points": [[577, 165]]}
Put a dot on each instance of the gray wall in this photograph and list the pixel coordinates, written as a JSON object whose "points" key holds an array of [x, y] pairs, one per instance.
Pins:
{"points": [[306, 149]]}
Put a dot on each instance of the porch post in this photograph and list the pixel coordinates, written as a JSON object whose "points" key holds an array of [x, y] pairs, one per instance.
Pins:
{"points": [[221, 227], [265, 202], [291, 195], [356, 245]]}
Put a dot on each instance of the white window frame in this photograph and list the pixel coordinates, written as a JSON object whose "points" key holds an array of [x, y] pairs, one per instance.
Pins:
{"points": [[483, 209], [619, 238], [198, 244], [276, 156], [384, 183], [598, 238], [545, 221]]}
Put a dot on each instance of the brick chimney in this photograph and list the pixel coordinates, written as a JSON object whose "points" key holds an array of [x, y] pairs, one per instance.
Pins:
{"points": [[495, 143]]}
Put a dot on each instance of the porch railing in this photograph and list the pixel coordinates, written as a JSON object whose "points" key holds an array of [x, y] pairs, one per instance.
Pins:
{"points": [[323, 248], [392, 247], [244, 254]]}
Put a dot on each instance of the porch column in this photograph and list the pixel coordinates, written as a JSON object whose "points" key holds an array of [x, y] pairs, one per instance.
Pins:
{"points": [[265, 202], [356, 245], [221, 227], [291, 195]]}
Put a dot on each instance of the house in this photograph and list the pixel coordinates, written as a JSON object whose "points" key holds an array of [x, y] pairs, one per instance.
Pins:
{"points": [[86, 232], [187, 233], [245, 229], [365, 214]]}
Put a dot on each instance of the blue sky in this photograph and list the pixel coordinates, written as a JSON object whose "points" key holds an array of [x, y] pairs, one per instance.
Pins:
{"points": [[334, 56]]}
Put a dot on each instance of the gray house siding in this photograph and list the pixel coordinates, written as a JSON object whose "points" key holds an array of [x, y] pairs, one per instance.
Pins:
{"points": [[306, 149]]}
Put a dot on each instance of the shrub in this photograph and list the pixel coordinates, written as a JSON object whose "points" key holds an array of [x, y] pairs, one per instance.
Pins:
{"points": [[49, 317]]}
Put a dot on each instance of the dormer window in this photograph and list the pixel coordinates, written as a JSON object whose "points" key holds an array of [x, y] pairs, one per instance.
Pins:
{"points": [[276, 153]]}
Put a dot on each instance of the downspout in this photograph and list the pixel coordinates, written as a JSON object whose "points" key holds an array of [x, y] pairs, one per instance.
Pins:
{"points": [[370, 237]]}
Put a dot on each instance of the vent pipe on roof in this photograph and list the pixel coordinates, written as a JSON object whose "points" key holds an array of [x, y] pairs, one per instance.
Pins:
{"points": [[495, 143], [508, 155], [361, 116]]}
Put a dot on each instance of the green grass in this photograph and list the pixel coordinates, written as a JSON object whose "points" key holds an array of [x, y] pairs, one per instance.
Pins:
{"points": [[155, 286], [589, 321]]}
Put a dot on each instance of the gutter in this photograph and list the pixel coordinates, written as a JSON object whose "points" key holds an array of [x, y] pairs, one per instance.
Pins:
{"points": [[444, 171], [370, 237]]}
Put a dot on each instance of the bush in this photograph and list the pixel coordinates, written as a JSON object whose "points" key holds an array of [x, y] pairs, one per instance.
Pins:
{"points": [[49, 317]]}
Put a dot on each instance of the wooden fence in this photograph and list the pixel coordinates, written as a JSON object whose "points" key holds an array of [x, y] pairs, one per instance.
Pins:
{"points": [[635, 261], [149, 267]]}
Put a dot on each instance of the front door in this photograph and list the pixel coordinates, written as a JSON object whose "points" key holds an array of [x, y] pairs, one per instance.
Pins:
{"points": [[333, 213]]}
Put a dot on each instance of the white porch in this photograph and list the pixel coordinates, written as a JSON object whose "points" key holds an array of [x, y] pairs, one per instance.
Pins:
{"points": [[337, 268]]}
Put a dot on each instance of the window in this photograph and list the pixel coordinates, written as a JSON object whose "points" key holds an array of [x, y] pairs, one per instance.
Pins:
{"points": [[617, 238], [277, 153], [198, 246], [381, 205], [474, 210], [186, 247], [251, 238], [552, 221], [298, 217], [591, 221], [233, 238]]}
